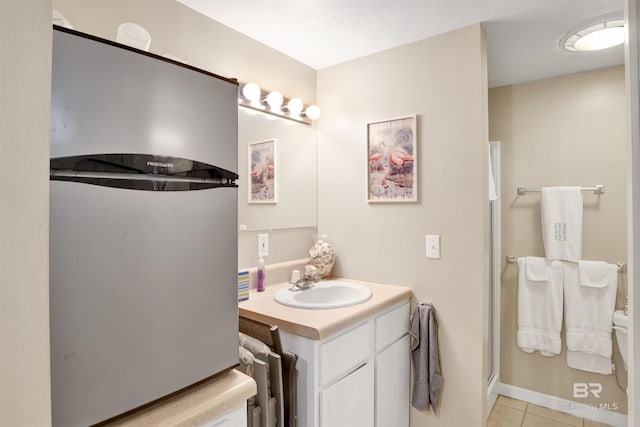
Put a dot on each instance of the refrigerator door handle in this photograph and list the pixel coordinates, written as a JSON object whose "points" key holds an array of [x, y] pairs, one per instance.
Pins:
{"points": [[141, 172]]}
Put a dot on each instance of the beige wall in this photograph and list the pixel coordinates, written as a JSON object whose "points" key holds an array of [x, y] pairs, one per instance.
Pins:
{"points": [[569, 130], [178, 30], [25, 85], [442, 80], [284, 245]]}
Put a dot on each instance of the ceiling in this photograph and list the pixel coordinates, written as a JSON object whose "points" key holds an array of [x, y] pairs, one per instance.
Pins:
{"points": [[522, 35]]}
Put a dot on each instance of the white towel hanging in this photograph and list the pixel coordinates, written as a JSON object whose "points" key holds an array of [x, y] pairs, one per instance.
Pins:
{"points": [[540, 309], [561, 209], [588, 319]]}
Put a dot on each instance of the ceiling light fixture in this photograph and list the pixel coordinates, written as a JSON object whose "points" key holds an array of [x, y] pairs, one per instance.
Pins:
{"points": [[602, 35], [255, 99]]}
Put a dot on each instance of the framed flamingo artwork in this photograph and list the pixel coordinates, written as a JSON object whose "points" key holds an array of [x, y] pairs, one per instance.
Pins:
{"points": [[262, 172], [392, 154]]}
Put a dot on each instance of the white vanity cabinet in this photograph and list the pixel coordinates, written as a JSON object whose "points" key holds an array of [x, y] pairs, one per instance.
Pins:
{"points": [[392, 367], [358, 376]]}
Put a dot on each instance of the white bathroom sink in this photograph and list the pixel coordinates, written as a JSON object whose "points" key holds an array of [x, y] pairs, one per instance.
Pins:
{"points": [[325, 294]]}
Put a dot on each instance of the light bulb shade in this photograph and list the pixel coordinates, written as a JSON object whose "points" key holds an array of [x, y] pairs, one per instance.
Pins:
{"points": [[312, 112], [251, 91], [295, 106], [601, 39], [601, 35], [274, 99]]}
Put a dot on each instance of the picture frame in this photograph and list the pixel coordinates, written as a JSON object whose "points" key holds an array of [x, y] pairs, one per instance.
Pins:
{"points": [[262, 172], [392, 153]]}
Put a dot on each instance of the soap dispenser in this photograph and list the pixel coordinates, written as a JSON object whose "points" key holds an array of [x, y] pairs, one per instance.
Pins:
{"points": [[260, 275]]}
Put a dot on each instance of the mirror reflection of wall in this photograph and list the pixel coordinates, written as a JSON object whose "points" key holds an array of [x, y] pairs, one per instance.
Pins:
{"points": [[292, 218]]}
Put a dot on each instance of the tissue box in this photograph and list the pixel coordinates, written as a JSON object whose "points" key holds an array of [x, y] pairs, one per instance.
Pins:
{"points": [[243, 285]]}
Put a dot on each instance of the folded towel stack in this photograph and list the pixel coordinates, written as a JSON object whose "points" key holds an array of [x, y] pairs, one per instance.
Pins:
{"points": [[539, 305]]}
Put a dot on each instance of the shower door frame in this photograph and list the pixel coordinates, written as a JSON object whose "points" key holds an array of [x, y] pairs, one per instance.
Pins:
{"points": [[632, 75], [495, 265]]}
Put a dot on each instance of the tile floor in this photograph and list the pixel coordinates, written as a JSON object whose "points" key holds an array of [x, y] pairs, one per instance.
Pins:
{"points": [[508, 412]]}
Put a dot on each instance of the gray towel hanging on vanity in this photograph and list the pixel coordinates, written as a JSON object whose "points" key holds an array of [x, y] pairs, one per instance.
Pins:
{"points": [[427, 378]]}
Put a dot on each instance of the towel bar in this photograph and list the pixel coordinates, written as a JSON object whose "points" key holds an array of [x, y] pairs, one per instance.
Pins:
{"points": [[622, 267], [597, 189]]}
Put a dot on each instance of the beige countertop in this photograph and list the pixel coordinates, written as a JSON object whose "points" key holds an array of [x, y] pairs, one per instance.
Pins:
{"points": [[318, 324], [195, 405]]}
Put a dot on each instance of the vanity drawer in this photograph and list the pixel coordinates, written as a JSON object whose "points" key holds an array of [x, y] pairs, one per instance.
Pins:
{"points": [[345, 352], [391, 326]]}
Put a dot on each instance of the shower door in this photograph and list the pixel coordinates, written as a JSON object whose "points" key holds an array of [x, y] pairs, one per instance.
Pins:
{"points": [[493, 347]]}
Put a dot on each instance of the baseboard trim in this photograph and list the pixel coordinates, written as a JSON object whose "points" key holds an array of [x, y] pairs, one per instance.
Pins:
{"points": [[563, 405], [493, 390]]}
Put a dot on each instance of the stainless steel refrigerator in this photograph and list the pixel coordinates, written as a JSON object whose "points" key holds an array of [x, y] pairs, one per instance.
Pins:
{"points": [[143, 243]]}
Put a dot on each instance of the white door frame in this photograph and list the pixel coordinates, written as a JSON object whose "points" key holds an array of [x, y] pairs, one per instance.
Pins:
{"points": [[632, 67], [493, 385]]}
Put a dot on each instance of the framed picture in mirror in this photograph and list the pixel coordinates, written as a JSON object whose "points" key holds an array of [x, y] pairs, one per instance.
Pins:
{"points": [[262, 172], [392, 155]]}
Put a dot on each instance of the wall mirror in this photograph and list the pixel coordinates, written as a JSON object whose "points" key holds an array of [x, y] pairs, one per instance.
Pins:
{"points": [[295, 173]]}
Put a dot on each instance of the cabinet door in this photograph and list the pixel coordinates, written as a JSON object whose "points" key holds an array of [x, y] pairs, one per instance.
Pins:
{"points": [[392, 385], [349, 402]]}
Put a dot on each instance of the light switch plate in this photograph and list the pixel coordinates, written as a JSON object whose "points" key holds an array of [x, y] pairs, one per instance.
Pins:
{"points": [[263, 245], [433, 246]]}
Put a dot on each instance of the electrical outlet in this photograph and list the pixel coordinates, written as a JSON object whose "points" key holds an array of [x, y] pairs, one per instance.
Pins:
{"points": [[263, 245], [433, 247]]}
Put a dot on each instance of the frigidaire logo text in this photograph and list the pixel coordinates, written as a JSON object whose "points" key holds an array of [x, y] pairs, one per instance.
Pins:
{"points": [[160, 164]]}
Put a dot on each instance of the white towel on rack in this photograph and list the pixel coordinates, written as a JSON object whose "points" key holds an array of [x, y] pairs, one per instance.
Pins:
{"points": [[594, 274], [540, 306], [537, 269], [562, 222], [588, 316]]}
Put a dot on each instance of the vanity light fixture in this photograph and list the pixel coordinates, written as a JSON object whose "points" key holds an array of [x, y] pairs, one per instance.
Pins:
{"points": [[601, 35], [312, 112], [275, 100], [251, 92], [295, 107], [274, 104]]}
